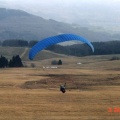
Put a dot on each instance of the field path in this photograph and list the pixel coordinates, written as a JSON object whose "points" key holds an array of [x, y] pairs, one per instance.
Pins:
{"points": [[24, 52]]}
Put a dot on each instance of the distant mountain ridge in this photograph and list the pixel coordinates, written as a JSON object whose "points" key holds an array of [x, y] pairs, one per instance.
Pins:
{"points": [[5, 13], [17, 24]]}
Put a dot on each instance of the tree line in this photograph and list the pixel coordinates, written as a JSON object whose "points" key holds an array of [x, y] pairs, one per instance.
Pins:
{"points": [[17, 43], [14, 62], [101, 48]]}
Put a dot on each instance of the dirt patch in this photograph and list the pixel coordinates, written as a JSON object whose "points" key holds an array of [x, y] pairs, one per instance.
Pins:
{"points": [[73, 81]]}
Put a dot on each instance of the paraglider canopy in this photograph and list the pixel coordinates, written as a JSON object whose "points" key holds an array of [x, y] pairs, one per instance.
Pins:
{"points": [[54, 40]]}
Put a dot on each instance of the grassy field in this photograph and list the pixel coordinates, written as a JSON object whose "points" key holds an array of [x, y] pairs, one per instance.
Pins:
{"points": [[93, 90], [9, 52]]}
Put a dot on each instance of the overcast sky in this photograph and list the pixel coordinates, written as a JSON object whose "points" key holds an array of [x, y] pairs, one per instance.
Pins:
{"points": [[60, 10]]}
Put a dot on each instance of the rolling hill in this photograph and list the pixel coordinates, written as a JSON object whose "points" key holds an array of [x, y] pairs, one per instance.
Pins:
{"points": [[23, 52], [45, 57], [17, 24]]}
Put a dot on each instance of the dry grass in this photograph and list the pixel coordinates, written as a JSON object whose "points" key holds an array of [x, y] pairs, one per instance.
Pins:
{"points": [[33, 93]]}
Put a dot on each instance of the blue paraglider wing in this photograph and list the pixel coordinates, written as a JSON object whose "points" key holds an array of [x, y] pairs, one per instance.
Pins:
{"points": [[54, 40]]}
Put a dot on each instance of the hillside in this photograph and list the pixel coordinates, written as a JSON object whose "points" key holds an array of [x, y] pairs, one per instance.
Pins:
{"points": [[45, 56], [17, 24], [8, 52]]}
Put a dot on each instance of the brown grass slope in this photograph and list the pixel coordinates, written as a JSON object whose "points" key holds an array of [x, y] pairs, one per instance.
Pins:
{"points": [[93, 88], [24, 52]]}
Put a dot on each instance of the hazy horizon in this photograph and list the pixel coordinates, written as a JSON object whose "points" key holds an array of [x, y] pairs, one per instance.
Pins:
{"points": [[82, 12]]}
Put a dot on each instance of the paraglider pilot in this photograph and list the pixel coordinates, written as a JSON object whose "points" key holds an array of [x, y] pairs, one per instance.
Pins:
{"points": [[63, 88]]}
